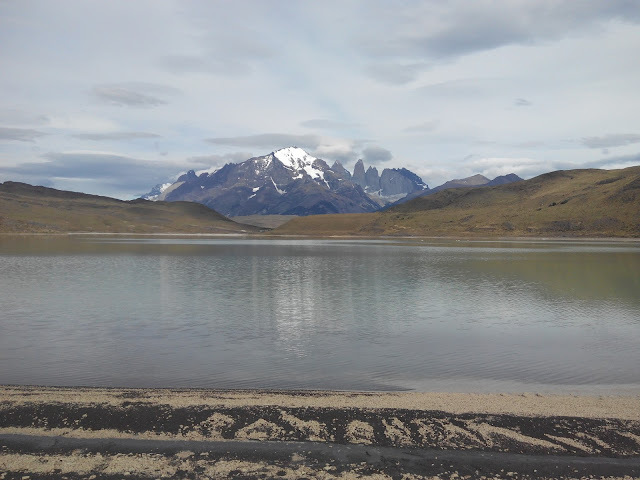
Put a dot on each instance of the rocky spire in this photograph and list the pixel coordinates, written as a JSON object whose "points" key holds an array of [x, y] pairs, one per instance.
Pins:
{"points": [[372, 179], [358, 174]]}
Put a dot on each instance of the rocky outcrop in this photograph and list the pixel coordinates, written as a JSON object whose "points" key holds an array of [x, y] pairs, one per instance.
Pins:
{"points": [[396, 181], [372, 179], [339, 170], [359, 175]]}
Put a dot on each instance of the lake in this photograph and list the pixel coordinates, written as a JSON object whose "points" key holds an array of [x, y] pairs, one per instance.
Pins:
{"points": [[384, 314]]}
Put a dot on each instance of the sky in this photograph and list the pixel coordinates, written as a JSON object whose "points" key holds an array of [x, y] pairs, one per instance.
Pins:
{"points": [[114, 97]]}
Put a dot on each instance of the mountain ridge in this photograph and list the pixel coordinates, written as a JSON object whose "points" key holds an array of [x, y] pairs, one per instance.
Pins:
{"points": [[564, 203], [571, 203], [289, 181], [474, 181]]}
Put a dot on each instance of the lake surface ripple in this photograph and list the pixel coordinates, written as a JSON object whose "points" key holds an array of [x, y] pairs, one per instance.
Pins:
{"points": [[433, 315]]}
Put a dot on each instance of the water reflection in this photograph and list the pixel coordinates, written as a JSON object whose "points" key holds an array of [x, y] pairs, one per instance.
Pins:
{"points": [[318, 314]]}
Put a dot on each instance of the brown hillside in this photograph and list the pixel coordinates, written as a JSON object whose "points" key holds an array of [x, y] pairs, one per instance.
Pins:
{"points": [[576, 203], [28, 209]]}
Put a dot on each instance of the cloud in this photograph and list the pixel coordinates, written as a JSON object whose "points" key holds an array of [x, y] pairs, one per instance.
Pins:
{"points": [[320, 75], [445, 30], [269, 141], [607, 141], [213, 162], [609, 163], [470, 87], [19, 134], [234, 157], [343, 150], [123, 95], [345, 157], [15, 116], [376, 155], [229, 40], [326, 148], [530, 144], [82, 122], [110, 171], [324, 123], [395, 74], [492, 167], [181, 64], [428, 126], [115, 136]]}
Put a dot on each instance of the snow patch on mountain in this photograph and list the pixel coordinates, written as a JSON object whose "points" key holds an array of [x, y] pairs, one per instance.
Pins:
{"points": [[255, 191], [294, 157], [158, 192], [281, 192], [297, 160], [209, 171], [164, 186]]}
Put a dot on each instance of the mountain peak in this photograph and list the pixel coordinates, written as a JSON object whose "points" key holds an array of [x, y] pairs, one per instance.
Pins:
{"points": [[293, 156], [472, 181], [298, 161]]}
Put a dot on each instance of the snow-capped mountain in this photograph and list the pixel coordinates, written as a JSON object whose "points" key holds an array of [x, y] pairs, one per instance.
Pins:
{"points": [[287, 182], [301, 163]]}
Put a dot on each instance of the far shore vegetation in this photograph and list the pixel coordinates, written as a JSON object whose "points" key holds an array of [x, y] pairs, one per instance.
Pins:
{"points": [[570, 203]]}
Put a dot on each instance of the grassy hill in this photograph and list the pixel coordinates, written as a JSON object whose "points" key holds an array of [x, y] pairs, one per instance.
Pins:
{"points": [[263, 221], [575, 203], [28, 209]]}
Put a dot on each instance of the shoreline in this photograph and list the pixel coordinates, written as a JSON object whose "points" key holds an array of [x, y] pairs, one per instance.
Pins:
{"points": [[621, 406], [91, 432], [267, 235]]}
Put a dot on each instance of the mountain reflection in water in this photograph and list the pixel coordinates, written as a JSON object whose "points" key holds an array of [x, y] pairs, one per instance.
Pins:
{"points": [[321, 314]]}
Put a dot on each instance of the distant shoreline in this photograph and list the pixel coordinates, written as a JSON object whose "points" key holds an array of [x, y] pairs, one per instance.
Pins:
{"points": [[329, 237]]}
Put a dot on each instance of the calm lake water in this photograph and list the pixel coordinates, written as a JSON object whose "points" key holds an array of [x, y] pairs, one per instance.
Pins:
{"points": [[321, 314]]}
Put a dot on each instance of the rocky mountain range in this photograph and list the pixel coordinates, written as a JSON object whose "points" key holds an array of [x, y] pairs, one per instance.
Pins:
{"points": [[388, 187], [290, 182]]}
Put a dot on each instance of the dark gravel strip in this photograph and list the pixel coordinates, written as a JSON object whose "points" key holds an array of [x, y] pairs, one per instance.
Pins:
{"points": [[392, 461], [432, 429]]}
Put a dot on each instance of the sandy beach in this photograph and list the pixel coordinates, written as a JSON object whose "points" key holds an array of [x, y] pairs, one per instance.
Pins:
{"points": [[48, 432]]}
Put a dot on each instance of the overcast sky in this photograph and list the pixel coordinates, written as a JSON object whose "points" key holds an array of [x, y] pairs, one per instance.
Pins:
{"points": [[113, 97]]}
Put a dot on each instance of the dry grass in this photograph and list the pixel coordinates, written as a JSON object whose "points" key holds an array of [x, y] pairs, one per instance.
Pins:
{"points": [[573, 203], [263, 221], [27, 209]]}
